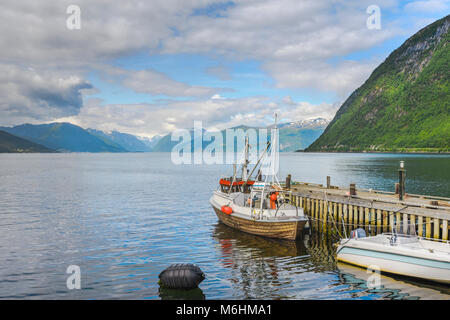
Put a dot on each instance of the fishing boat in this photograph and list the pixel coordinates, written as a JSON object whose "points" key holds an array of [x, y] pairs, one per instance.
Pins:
{"points": [[258, 206], [399, 252]]}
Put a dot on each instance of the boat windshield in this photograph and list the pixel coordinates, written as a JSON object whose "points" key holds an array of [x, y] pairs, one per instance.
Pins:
{"points": [[402, 233], [406, 229]]}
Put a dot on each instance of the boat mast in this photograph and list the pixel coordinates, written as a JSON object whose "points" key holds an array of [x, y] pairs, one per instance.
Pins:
{"points": [[244, 165], [246, 162], [270, 165]]}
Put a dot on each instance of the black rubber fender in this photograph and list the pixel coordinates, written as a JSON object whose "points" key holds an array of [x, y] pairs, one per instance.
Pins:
{"points": [[181, 276]]}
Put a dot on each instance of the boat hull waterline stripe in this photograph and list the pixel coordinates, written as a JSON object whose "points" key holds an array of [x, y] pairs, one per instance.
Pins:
{"points": [[396, 257]]}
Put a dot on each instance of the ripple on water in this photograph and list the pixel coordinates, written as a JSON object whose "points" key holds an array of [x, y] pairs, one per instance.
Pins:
{"points": [[124, 218]]}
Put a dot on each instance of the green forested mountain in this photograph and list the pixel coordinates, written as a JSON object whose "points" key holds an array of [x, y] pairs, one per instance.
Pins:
{"points": [[10, 143], [405, 103]]}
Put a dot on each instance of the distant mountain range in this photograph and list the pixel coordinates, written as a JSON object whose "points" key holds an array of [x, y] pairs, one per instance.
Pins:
{"points": [[67, 137], [126, 141], [294, 136], [12, 144], [404, 105], [63, 137]]}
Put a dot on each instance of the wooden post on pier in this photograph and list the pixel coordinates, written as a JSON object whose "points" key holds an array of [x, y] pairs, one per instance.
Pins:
{"points": [[373, 220], [320, 209], [328, 182], [288, 182], [428, 227], [378, 221], [361, 217], [345, 214], [405, 223], [436, 230], [335, 212], [444, 230], [314, 213], [391, 221], [352, 189], [401, 180], [316, 209], [366, 219], [420, 226], [350, 217]]}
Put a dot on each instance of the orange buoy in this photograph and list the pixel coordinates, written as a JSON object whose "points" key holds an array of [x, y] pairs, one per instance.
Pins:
{"points": [[226, 209]]}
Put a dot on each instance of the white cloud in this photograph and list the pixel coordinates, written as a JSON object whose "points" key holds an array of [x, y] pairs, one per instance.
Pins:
{"points": [[157, 83], [293, 39], [428, 6], [32, 95], [342, 78], [150, 119], [304, 110], [45, 65], [216, 114]]}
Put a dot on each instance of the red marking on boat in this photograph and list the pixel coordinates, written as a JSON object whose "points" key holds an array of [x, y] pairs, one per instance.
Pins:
{"points": [[236, 183], [226, 210]]}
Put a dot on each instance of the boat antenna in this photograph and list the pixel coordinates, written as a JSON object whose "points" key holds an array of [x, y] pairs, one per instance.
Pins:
{"points": [[244, 165], [259, 160], [246, 162]]}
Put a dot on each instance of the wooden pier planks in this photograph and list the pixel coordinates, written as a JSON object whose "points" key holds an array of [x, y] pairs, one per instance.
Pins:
{"points": [[374, 211]]}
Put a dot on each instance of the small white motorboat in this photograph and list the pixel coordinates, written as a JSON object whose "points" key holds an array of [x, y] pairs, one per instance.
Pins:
{"points": [[402, 253]]}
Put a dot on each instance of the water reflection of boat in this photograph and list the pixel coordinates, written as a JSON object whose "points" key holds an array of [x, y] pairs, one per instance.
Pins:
{"points": [[259, 267], [389, 287], [263, 247]]}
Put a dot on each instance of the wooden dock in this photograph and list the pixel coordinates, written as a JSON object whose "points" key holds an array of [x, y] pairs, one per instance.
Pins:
{"points": [[340, 210]]}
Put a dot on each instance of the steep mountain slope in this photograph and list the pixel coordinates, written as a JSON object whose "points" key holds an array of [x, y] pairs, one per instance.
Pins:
{"points": [[405, 103], [63, 137], [10, 143]]}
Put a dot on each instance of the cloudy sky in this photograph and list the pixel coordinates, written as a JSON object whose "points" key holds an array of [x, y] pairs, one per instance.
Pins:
{"points": [[149, 67]]}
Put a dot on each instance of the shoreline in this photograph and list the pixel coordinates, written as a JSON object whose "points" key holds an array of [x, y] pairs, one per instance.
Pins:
{"points": [[281, 152], [382, 152]]}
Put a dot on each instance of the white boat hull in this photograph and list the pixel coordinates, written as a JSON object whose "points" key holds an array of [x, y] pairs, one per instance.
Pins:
{"points": [[412, 260]]}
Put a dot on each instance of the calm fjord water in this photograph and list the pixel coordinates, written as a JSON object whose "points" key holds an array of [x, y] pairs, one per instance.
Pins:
{"points": [[123, 218]]}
